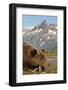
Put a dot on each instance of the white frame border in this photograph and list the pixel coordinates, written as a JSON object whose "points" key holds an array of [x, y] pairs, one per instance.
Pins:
{"points": [[33, 78]]}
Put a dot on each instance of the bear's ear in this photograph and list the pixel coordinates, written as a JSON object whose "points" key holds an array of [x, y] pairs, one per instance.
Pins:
{"points": [[43, 50], [33, 52]]}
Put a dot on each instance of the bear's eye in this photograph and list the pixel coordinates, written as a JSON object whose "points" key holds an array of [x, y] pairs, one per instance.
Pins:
{"points": [[33, 52]]}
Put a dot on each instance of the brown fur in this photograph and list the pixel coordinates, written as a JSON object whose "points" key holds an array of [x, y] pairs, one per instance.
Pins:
{"points": [[34, 57]]}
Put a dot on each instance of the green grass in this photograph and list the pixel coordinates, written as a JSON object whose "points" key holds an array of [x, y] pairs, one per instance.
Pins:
{"points": [[51, 53]]}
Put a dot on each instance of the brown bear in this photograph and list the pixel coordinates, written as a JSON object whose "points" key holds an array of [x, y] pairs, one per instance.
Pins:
{"points": [[33, 58]]}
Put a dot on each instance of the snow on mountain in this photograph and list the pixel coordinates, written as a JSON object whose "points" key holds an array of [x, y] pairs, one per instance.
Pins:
{"points": [[41, 37], [51, 31]]}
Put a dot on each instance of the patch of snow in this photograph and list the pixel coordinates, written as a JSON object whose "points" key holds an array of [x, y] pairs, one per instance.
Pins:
{"points": [[24, 33], [42, 43], [40, 39], [51, 31], [48, 37]]}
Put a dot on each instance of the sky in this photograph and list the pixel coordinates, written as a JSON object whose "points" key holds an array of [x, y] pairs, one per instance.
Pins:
{"points": [[29, 21]]}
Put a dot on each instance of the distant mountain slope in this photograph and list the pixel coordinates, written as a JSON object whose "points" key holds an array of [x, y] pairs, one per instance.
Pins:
{"points": [[41, 36]]}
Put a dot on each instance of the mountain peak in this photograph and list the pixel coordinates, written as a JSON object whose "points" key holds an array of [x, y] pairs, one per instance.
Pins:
{"points": [[42, 37], [44, 22], [43, 25]]}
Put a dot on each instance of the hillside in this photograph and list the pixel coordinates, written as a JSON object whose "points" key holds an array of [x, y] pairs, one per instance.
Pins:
{"points": [[42, 36]]}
